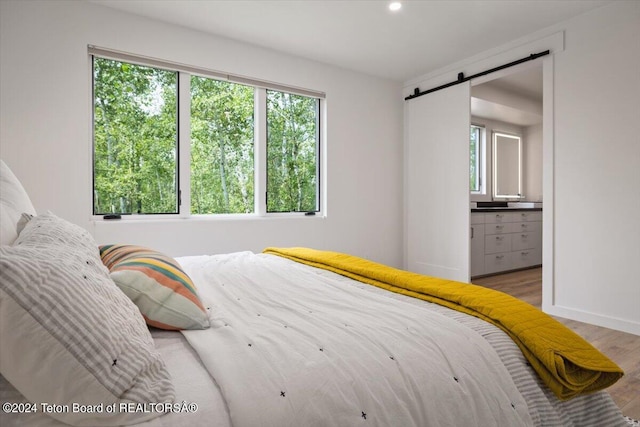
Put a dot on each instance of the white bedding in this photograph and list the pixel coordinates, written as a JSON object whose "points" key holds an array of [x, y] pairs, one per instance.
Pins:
{"points": [[289, 347], [191, 381], [311, 286], [283, 293]]}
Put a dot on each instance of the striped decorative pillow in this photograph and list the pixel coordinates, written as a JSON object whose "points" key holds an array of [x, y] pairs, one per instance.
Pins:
{"points": [[164, 293], [68, 334]]}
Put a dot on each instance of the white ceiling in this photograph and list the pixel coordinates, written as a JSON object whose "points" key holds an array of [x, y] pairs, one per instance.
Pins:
{"points": [[523, 107], [526, 83], [364, 35], [503, 113]]}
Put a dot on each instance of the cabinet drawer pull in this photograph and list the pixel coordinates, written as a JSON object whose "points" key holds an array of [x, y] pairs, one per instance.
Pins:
{"points": [[499, 238], [499, 227], [523, 225], [499, 256], [524, 236], [524, 253], [498, 216]]}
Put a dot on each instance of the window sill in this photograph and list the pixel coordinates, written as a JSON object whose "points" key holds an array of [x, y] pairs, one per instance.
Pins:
{"points": [[170, 218]]}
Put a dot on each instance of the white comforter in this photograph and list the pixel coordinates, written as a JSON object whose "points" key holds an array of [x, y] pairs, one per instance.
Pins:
{"points": [[291, 347]]}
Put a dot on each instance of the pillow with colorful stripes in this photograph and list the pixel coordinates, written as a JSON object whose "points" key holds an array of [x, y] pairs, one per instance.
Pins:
{"points": [[164, 293]]}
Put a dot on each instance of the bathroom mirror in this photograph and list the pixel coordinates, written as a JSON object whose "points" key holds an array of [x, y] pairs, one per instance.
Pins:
{"points": [[507, 166]]}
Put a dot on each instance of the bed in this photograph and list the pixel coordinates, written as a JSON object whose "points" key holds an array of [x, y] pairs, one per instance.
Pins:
{"points": [[287, 337]]}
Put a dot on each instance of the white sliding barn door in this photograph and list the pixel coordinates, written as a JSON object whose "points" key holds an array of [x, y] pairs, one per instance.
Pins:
{"points": [[437, 183]]}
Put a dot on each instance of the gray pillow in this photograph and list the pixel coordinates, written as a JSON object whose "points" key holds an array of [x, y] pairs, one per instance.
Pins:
{"points": [[14, 200], [69, 334]]}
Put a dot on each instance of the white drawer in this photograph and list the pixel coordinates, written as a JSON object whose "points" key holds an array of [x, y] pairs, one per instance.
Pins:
{"points": [[499, 217], [524, 240], [477, 218], [500, 228], [526, 227], [526, 258], [528, 216], [497, 262], [497, 243]]}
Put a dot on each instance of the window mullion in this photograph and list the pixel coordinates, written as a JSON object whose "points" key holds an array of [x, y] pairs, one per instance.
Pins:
{"points": [[260, 150], [184, 143], [163, 126]]}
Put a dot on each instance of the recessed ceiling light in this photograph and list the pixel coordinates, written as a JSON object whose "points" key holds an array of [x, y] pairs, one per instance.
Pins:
{"points": [[396, 5]]}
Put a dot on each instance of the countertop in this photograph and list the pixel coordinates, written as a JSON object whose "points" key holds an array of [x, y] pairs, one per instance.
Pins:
{"points": [[505, 206], [505, 209]]}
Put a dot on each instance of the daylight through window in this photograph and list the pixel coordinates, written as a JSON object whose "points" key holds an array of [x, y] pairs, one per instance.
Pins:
{"points": [[292, 152], [475, 158], [135, 139], [221, 147], [139, 109]]}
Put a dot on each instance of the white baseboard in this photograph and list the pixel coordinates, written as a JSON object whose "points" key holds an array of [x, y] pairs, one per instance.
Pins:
{"points": [[623, 325]]}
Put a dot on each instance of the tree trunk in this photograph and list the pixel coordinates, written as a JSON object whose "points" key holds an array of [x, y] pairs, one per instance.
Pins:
{"points": [[223, 174]]}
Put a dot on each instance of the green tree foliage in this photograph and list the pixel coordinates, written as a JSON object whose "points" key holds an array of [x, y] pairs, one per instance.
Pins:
{"points": [[135, 138], [474, 147], [136, 144], [222, 162], [291, 152]]}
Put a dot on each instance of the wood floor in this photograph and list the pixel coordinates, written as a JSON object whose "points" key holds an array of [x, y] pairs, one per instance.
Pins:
{"points": [[622, 348]]}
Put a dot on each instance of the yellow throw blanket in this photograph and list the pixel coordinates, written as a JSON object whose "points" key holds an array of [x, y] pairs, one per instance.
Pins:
{"points": [[565, 362]]}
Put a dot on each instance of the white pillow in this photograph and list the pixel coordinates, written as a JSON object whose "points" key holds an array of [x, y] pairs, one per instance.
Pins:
{"points": [[69, 334], [14, 201]]}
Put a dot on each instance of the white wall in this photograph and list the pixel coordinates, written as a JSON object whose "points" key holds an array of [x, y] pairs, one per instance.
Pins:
{"points": [[591, 160], [45, 134], [597, 168], [532, 163]]}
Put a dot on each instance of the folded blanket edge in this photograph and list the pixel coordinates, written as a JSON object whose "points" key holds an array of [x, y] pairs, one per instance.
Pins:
{"points": [[542, 357]]}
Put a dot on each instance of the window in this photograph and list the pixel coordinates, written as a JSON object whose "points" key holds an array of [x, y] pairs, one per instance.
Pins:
{"points": [[171, 139], [135, 139], [221, 147], [476, 169], [292, 152]]}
